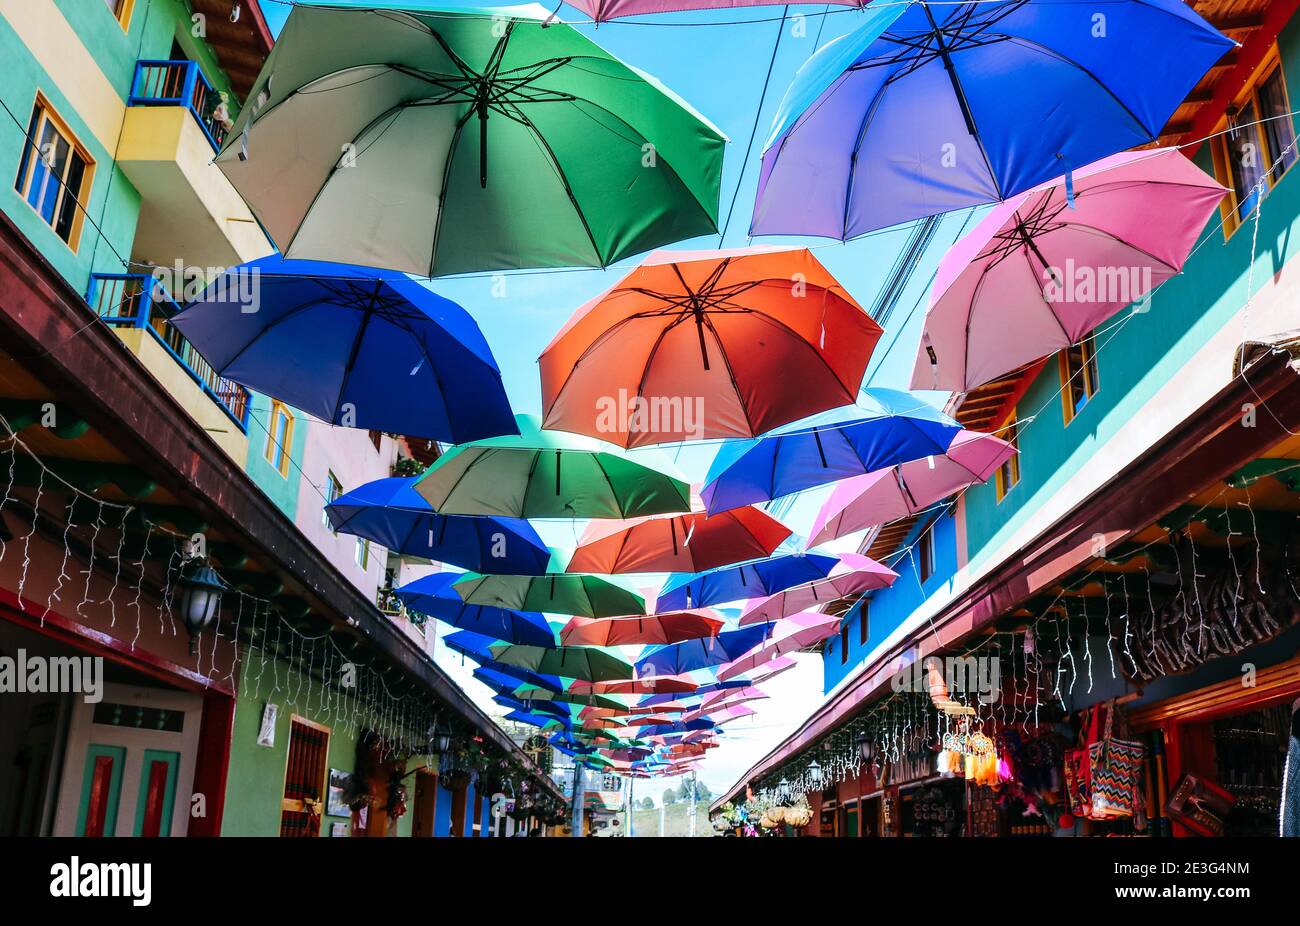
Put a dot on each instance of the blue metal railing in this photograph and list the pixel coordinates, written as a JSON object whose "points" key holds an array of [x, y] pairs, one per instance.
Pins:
{"points": [[135, 300], [180, 83]]}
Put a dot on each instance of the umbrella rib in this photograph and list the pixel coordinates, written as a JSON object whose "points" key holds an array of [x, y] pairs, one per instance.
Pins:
{"points": [[1053, 53], [442, 193]]}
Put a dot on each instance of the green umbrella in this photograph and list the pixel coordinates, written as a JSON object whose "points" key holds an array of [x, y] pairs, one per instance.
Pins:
{"points": [[439, 141], [550, 474], [583, 662], [534, 693], [554, 593]]}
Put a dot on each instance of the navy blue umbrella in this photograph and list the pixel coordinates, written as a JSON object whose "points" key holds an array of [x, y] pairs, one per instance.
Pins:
{"points": [[747, 580], [338, 343], [668, 696], [477, 646], [886, 427], [392, 514], [504, 678], [680, 726], [690, 655], [432, 595]]}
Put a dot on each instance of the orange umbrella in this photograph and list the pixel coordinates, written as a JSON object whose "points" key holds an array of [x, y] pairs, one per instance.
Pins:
{"points": [[672, 627], [695, 345], [684, 543]]}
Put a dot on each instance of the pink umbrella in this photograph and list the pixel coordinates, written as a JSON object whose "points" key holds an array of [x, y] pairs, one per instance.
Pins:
{"points": [[889, 494], [732, 696], [725, 715], [605, 10], [853, 575], [791, 635], [685, 543], [1035, 276], [771, 670]]}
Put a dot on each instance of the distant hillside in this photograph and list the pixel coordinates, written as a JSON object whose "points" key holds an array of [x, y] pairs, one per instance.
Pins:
{"points": [[646, 822]]}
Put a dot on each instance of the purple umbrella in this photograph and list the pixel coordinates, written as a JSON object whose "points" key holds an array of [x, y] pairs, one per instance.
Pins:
{"points": [[930, 107]]}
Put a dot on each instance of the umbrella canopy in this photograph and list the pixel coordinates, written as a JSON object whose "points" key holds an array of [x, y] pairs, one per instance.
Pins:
{"points": [[392, 514], [679, 726], [534, 696], [668, 687], [434, 596], [547, 474], [1035, 276], [534, 720], [733, 696], [899, 491], [556, 712], [507, 678], [605, 10], [789, 635], [695, 345], [772, 669], [388, 355], [684, 543], [471, 139], [554, 593], [673, 627], [927, 108], [885, 427], [853, 575], [701, 654], [469, 643], [747, 580], [723, 714], [593, 665]]}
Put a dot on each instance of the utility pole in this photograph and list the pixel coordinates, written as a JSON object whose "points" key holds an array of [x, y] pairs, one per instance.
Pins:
{"points": [[663, 805], [579, 798], [628, 815], [690, 811]]}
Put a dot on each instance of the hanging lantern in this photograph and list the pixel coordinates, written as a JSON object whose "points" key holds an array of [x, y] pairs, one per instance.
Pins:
{"points": [[814, 776], [865, 748], [199, 592]]}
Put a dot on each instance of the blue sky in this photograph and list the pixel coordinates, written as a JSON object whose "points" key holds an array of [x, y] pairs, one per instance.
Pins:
{"points": [[716, 60]]}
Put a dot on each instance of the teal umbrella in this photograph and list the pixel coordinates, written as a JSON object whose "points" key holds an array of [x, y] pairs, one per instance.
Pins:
{"points": [[551, 474], [555, 593], [439, 141]]}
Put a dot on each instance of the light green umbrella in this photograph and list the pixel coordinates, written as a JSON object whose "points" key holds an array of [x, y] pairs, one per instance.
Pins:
{"points": [[439, 141], [535, 693], [554, 593], [551, 474], [588, 663]]}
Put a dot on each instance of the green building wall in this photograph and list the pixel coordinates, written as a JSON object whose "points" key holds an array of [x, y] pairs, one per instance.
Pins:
{"points": [[281, 489], [255, 780]]}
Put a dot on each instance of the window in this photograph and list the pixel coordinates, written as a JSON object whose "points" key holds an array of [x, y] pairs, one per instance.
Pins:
{"points": [[844, 643], [1257, 144], [121, 10], [925, 554], [363, 553], [54, 173], [1079, 380], [1008, 474], [864, 623], [279, 437], [333, 489]]}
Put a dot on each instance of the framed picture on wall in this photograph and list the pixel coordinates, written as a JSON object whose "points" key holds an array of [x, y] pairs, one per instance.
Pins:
{"points": [[336, 798]]}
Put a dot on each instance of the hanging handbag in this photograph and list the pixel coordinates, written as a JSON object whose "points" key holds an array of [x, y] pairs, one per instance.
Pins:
{"points": [[1115, 773], [1078, 766]]}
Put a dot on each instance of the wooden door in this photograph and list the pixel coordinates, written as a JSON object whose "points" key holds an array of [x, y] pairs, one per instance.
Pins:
{"points": [[426, 803], [304, 778]]}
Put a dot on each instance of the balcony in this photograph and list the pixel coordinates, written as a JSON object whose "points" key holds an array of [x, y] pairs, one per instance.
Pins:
{"points": [[140, 312], [189, 212]]}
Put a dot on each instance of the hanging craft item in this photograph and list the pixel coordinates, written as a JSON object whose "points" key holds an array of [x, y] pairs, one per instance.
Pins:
{"points": [[1115, 772], [1078, 765]]}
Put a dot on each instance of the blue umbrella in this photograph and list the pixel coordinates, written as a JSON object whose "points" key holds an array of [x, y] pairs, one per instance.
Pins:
{"points": [[335, 341], [680, 726], [504, 678], [701, 654], [927, 108], [433, 595], [392, 514], [667, 697], [476, 646], [532, 719], [886, 427], [747, 580]]}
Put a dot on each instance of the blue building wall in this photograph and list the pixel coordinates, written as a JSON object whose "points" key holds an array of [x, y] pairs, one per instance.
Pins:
{"points": [[887, 608]]}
